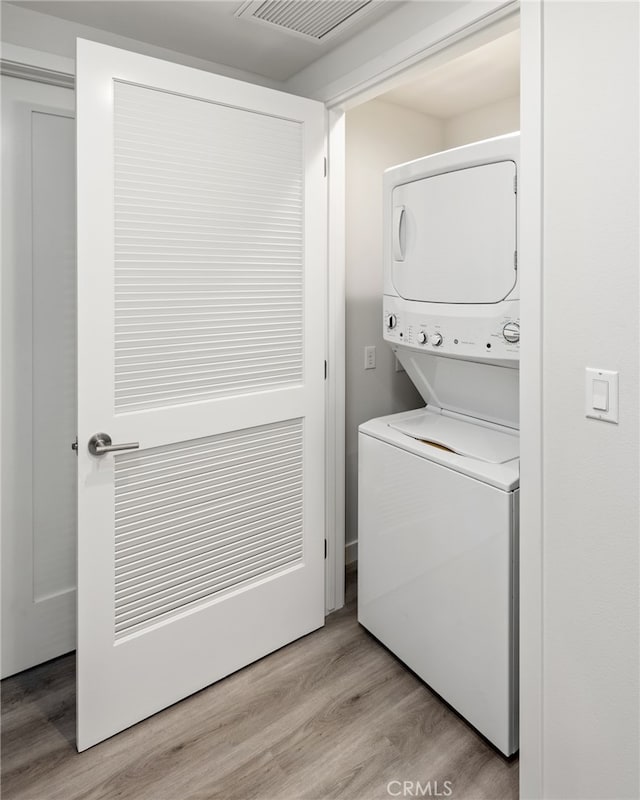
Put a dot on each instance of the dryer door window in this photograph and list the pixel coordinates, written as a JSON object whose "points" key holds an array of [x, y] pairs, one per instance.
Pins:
{"points": [[456, 236]]}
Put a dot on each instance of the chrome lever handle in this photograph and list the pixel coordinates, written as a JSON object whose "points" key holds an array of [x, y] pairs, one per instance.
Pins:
{"points": [[100, 443]]}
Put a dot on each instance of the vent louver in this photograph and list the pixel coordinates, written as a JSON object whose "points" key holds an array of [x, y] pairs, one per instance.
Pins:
{"points": [[314, 20]]}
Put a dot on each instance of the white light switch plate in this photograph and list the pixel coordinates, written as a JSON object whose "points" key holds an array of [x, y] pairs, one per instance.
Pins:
{"points": [[601, 394]]}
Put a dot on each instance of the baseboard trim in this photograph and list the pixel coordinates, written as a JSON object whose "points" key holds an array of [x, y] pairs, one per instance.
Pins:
{"points": [[351, 552]]}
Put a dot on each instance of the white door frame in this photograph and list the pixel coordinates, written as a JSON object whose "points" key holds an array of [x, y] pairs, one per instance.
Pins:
{"points": [[531, 419], [365, 88], [336, 366]]}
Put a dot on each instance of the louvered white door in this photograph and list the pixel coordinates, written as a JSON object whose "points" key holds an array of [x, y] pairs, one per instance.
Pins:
{"points": [[201, 285]]}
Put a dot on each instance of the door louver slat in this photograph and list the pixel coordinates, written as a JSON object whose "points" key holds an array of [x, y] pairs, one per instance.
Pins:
{"points": [[239, 276], [197, 518]]}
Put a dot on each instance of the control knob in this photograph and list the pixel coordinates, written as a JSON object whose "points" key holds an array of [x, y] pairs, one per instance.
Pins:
{"points": [[436, 339], [511, 332], [422, 337], [392, 321]]}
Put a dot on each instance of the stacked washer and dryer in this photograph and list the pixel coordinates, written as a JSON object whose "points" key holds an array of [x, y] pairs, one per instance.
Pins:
{"points": [[438, 486]]}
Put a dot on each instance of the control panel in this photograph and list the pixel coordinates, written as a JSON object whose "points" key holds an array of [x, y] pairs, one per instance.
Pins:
{"points": [[486, 333]]}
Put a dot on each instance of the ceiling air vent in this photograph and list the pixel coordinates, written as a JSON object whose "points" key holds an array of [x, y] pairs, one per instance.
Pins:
{"points": [[314, 20]]}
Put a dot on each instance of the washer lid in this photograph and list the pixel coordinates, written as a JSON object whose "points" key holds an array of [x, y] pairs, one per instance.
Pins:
{"points": [[462, 437], [454, 236]]}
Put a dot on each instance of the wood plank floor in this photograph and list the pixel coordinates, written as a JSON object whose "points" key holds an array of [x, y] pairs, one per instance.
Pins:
{"points": [[333, 715]]}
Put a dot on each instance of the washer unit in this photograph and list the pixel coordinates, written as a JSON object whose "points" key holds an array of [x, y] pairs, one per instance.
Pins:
{"points": [[438, 487]]}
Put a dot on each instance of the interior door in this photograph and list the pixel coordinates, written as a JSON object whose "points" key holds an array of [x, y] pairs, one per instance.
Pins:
{"points": [[38, 374], [201, 286]]}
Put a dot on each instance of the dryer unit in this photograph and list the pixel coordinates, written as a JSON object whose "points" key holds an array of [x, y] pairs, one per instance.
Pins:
{"points": [[438, 487]]}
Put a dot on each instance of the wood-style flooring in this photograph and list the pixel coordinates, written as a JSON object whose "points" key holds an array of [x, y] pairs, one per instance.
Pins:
{"points": [[333, 715]]}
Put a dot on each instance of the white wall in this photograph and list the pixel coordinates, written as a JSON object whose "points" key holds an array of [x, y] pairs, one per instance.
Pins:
{"points": [[482, 123], [591, 471], [378, 136]]}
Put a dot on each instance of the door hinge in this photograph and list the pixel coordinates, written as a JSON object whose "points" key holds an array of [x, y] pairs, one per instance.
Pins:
{"points": [[515, 184], [74, 445], [515, 259], [325, 167], [325, 548], [326, 370]]}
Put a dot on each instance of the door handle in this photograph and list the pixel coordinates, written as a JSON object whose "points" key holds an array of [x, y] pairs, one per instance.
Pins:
{"points": [[100, 443], [398, 244]]}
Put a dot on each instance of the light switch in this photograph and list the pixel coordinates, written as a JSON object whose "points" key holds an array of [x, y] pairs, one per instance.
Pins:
{"points": [[601, 394]]}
